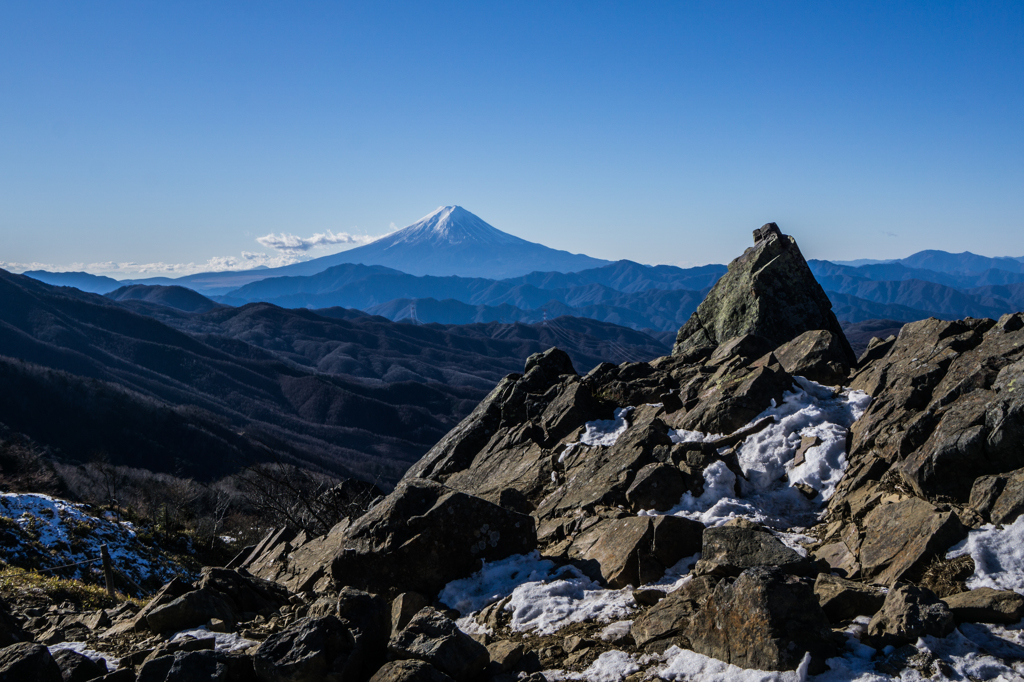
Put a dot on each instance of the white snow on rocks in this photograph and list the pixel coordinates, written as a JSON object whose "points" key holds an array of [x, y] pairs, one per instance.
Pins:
{"points": [[768, 493], [498, 579], [543, 598], [56, 533], [611, 666], [111, 662], [606, 431], [599, 433], [998, 555], [546, 608], [223, 641]]}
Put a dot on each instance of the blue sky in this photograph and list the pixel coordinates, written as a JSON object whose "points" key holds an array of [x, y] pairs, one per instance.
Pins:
{"points": [[176, 134]]}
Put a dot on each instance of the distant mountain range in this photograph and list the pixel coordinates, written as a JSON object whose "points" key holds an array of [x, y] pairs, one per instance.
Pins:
{"points": [[143, 383], [448, 241], [451, 267]]}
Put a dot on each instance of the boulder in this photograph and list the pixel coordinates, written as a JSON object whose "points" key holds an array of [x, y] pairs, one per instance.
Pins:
{"points": [[434, 638], [986, 605], [74, 667], [140, 621], [198, 666], [601, 475], [843, 600], [735, 396], [503, 654], [424, 535], [665, 624], [730, 550], [247, 596], [999, 498], [404, 607], [818, 355], [769, 292], [634, 550], [657, 486], [902, 537], [26, 661], [765, 619], [310, 650], [409, 671], [190, 610], [910, 612]]}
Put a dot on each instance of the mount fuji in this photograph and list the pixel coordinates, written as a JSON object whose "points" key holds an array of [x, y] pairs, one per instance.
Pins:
{"points": [[448, 241], [453, 241]]}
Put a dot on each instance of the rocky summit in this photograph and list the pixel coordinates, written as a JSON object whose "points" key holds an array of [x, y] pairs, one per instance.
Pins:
{"points": [[760, 499], [768, 292]]}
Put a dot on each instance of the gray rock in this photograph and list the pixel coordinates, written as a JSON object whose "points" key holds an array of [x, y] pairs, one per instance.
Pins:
{"points": [[902, 537], [769, 292], [191, 609], [730, 550], [765, 619], [736, 394], [26, 661], [818, 355], [657, 486], [999, 498], [665, 624], [74, 667], [404, 607], [843, 600], [636, 549], [11, 631], [424, 535], [409, 671], [910, 612], [986, 605], [310, 650], [434, 638], [197, 666]]}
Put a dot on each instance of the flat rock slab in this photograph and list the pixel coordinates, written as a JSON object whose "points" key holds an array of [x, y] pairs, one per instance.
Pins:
{"points": [[843, 600], [634, 550], [730, 550], [986, 605], [902, 537]]}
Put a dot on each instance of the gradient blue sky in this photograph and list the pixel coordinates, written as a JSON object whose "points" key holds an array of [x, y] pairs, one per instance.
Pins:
{"points": [[176, 133]]}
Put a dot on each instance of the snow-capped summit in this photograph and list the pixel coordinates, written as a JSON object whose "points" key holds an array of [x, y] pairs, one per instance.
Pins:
{"points": [[453, 241], [451, 225]]}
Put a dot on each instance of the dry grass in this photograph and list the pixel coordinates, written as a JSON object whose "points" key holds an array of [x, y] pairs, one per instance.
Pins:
{"points": [[18, 582], [946, 577]]}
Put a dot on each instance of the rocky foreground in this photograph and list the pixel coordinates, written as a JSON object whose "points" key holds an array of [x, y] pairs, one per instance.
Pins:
{"points": [[758, 505]]}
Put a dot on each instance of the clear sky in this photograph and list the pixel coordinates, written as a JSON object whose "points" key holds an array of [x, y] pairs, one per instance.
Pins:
{"points": [[181, 132]]}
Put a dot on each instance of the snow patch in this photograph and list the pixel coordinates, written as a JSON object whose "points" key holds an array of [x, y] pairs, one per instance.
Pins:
{"points": [[615, 631], [546, 608], [611, 666], [111, 662], [767, 493], [497, 580], [223, 641], [606, 431], [998, 555]]}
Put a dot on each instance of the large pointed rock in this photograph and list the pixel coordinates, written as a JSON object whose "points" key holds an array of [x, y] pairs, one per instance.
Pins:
{"points": [[769, 292]]}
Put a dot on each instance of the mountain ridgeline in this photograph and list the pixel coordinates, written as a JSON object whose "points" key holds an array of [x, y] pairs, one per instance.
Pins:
{"points": [[452, 267], [164, 379]]}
